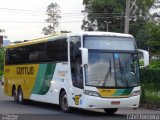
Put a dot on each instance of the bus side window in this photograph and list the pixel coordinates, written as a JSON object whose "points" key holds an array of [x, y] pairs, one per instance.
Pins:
{"points": [[37, 53], [75, 55], [57, 48], [13, 56]]}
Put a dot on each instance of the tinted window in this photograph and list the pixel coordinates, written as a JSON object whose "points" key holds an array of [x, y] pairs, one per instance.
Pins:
{"points": [[41, 52], [26, 54], [76, 61], [57, 50], [36, 53]]}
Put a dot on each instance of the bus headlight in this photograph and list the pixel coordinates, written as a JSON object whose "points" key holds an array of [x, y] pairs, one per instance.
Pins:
{"points": [[135, 93], [91, 93]]}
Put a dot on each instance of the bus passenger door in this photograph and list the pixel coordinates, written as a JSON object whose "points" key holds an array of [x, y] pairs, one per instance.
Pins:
{"points": [[76, 88]]}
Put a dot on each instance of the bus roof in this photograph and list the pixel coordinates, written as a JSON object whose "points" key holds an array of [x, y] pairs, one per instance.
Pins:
{"points": [[37, 40], [63, 35], [102, 34]]}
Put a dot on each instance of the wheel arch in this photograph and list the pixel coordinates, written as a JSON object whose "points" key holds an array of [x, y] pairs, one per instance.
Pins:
{"points": [[61, 91], [13, 87], [19, 86]]}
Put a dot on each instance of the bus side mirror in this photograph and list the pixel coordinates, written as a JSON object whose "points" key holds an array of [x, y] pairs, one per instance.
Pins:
{"points": [[84, 52], [145, 57]]}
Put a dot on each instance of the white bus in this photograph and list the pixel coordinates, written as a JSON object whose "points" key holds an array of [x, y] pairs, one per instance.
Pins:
{"points": [[88, 70]]}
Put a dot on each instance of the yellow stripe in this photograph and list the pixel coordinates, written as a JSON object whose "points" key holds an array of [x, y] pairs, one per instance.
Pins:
{"points": [[38, 40], [110, 93], [25, 80], [26, 43], [106, 92]]}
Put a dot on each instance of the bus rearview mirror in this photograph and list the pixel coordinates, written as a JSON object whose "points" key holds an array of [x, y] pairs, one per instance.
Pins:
{"points": [[84, 52], [145, 57]]}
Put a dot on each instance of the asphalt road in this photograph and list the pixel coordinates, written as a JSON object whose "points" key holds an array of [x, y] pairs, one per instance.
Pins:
{"points": [[9, 110]]}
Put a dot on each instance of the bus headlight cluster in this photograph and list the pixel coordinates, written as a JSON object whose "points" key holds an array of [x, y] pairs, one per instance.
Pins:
{"points": [[135, 93], [91, 93]]}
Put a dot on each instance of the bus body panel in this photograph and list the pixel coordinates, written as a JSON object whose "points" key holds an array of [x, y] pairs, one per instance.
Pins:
{"points": [[20, 75], [90, 102], [74, 96], [59, 81], [35, 78], [129, 101]]}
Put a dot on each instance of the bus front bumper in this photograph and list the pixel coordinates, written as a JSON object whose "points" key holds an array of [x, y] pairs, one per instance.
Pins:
{"points": [[98, 102]]}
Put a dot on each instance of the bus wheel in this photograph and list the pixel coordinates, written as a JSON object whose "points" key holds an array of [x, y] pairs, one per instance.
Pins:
{"points": [[20, 96], [15, 94], [110, 111], [64, 102]]}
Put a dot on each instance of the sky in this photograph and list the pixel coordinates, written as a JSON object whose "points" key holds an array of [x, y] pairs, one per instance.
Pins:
{"points": [[24, 19]]}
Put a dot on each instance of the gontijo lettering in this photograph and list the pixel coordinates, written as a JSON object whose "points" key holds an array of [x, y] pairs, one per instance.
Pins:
{"points": [[25, 70]]}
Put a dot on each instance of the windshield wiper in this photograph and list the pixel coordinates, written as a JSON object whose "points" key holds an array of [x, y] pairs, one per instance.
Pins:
{"points": [[107, 74]]}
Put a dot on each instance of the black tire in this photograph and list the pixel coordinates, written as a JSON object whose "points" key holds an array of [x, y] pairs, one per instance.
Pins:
{"points": [[15, 95], [64, 102], [110, 111], [20, 96]]}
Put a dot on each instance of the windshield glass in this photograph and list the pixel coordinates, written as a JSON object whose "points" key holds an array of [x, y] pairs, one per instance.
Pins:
{"points": [[112, 69]]}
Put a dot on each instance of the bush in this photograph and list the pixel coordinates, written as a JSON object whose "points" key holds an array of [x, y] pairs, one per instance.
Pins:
{"points": [[1, 61], [154, 64], [150, 75], [150, 84]]}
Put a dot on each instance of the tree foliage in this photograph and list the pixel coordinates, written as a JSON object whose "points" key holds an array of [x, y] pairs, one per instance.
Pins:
{"points": [[148, 37], [153, 40], [53, 12], [99, 12], [1, 60]]}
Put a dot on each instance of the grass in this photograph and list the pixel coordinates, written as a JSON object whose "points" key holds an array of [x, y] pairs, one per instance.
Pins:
{"points": [[150, 93]]}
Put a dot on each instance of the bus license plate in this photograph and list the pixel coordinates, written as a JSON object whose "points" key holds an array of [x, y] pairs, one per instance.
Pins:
{"points": [[115, 102]]}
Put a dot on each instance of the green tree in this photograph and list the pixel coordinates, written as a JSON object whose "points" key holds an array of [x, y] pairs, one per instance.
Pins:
{"points": [[1, 60], [153, 39], [148, 37], [53, 13], [141, 37], [99, 12]]}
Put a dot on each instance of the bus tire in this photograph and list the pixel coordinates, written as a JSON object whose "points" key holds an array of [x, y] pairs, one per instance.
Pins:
{"points": [[20, 96], [110, 111], [64, 102], [14, 93]]}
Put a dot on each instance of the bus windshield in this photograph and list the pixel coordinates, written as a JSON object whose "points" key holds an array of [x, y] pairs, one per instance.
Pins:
{"points": [[112, 69]]}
